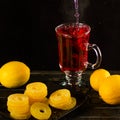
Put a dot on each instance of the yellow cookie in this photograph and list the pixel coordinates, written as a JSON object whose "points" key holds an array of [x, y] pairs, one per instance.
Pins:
{"points": [[20, 116], [70, 105], [36, 91], [18, 102], [60, 98], [40, 111]]}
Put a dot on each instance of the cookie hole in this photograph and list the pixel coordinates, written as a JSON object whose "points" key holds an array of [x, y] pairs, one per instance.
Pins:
{"points": [[42, 111]]}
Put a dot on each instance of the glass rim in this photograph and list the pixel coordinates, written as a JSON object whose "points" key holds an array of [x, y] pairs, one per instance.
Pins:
{"points": [[72, 23]]}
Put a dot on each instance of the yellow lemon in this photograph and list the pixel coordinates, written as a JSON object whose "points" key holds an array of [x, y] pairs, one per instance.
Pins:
{"points": [[110, 90], [97, 78], [14, 74]]}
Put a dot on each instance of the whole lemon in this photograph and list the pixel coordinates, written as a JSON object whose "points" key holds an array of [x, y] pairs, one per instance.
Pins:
{"points": [[97, 78], [14, 74], [110, 90]]}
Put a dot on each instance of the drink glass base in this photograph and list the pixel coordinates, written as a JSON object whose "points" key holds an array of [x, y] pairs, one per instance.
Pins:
{"points": [[73, 78], [75, 82]]}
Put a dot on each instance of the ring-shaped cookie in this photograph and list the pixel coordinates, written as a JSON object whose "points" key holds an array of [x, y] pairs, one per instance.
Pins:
{"points": [[40, 110]]}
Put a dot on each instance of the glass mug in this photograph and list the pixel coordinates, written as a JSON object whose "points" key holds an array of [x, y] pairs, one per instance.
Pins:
{"points": [[73, 47]]}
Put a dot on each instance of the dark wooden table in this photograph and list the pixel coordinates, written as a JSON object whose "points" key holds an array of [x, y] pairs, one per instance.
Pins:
{"points": [[91, 108]]}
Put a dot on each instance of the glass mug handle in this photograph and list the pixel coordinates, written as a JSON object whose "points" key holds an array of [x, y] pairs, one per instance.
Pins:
{"points": [[98, 56]]}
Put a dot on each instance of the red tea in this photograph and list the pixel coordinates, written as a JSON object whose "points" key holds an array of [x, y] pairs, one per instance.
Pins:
{"points": [[73, 46]]}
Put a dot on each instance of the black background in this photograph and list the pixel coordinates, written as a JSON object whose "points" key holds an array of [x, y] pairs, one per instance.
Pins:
{"points": [[27, 30]]}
